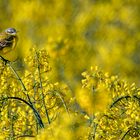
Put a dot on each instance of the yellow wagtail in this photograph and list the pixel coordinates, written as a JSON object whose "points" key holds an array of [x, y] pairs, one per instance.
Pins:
{"points": [[8, 42]]}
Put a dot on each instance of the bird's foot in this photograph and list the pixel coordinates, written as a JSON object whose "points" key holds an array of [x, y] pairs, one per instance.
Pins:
{"points": [[4, 60]]}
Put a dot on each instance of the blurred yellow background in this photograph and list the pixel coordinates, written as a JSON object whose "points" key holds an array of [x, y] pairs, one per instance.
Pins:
{"points": [[79, 34]]}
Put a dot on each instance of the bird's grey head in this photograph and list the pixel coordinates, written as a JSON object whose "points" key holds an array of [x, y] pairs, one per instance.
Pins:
{"points": [[11, 31]]}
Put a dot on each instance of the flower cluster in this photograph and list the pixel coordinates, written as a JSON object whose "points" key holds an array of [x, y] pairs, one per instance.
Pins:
{"points": [[28, 99], [118, 101]]}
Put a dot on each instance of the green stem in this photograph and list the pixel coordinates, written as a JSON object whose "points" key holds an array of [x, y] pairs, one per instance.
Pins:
{"points": [[18, 78], [124, 97], [41, 87], [36, 113], [62, 100]]}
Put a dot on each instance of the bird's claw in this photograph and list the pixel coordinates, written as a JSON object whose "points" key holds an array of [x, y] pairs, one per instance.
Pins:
{"points": [[4, 60]]}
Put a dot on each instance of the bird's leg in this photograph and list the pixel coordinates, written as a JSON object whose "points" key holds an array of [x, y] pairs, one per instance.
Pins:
{"points": [[4, 60]]}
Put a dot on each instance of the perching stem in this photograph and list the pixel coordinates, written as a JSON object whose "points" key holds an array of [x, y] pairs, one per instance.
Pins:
{"points": [[36, 113]]}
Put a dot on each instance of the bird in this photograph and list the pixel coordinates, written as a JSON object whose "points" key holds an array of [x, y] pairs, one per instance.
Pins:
{"points": [[8, 43]]}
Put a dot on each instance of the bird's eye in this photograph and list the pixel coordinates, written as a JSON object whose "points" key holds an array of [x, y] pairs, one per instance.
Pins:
{"points": [[10, 30]]}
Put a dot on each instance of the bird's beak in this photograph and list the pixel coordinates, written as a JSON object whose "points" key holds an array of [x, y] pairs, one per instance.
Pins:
{"points": [[14, 33]]}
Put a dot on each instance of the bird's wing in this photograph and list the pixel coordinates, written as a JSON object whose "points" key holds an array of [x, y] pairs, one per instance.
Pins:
{"points": [[5, 41], [3, 44], [2, 41]]}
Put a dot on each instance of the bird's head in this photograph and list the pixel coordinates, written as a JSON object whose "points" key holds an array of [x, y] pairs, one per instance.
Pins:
{"points": [[11, 31]]}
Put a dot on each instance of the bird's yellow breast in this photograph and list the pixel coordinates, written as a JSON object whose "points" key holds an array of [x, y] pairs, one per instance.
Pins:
{"points": [[9, 52]]}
